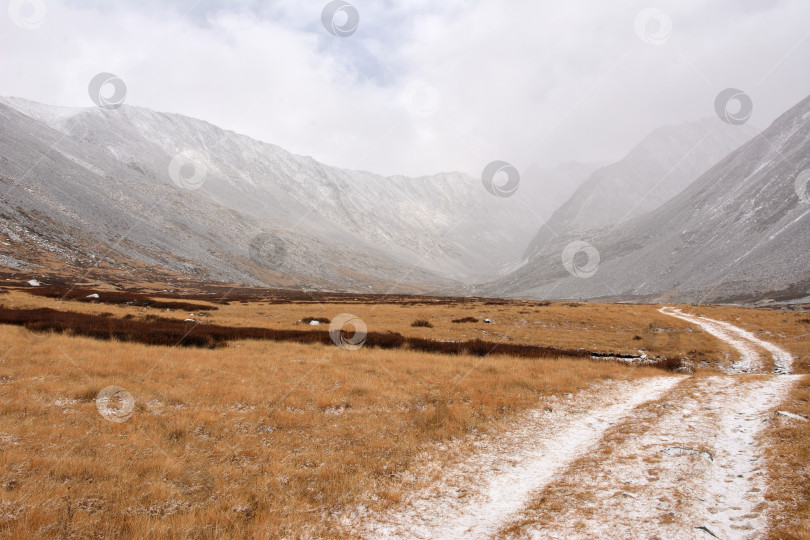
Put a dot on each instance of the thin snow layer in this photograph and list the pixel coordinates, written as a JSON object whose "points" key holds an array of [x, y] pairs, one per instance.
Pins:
{"points": [[792, 415], [661, 482], [508, 469], [742, 340], [782, 360]]}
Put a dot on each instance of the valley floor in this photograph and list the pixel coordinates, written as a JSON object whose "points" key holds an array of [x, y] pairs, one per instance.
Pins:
{"points": [[688, 421], [673, 457]]}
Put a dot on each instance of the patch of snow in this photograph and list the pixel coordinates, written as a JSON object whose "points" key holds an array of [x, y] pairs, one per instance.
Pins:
{"points": [[792, 415]]}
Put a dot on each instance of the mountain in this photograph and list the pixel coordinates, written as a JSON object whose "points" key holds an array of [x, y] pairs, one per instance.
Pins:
{"points": [[738, 233], [547, 189], [84, 184], [140, 194], [658, 168]]}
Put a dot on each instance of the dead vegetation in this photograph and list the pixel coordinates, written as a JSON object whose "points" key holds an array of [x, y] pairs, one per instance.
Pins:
{"points": [[259, 428], [175, 333], [255, 439], [787, 446], [116, 298]]}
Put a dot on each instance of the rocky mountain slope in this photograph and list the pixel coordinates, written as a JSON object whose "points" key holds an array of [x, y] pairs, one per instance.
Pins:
{"points": [[129, 190], [178, 193], [658, 168], [738, 233]]}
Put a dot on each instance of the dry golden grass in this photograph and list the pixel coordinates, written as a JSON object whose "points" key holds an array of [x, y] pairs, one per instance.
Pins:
{"points": [[264, 439], [620, 328], [256, 439], [787, 443], [788, 329]]}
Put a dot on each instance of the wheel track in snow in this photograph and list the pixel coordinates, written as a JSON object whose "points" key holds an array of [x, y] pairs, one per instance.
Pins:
{"points": [[509, 468], [744, 341], [724, 497], [673, 469]]}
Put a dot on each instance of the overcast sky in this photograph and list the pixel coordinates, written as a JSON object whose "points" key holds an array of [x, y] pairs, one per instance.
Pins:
{"points": [[420, 86]]}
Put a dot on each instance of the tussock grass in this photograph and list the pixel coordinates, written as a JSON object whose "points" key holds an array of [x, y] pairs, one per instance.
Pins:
{"points": [[155, 330], [787, 447], [783, 327], [274, 431], [254, 439], [592, 327]]}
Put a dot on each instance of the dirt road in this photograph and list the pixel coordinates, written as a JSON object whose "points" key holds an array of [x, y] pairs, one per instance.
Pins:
{"points": [[668, 456]]}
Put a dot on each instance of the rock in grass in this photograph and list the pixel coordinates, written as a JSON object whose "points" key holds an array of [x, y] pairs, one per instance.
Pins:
{"points": [[792, 415]]}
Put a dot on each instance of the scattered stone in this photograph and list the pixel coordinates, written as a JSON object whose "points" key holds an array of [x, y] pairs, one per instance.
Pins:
{"points": [[488, 321], [34, 283], [189, 320], [680, 451], [792, 415]]}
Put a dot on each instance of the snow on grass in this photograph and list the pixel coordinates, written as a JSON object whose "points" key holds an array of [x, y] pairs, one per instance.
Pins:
{"points": [[742, 340], [749, 361], [675, 469], [476, 498]]}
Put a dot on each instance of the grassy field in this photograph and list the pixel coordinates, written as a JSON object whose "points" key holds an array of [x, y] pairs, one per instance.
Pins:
{"points": [[788, 452], [608, 328], [260, 438], [255, 439]]}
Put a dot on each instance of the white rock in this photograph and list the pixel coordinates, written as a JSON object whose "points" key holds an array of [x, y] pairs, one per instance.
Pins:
{"points": [[792, 415], [94, 295], [34, 283], [314, 323]]}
